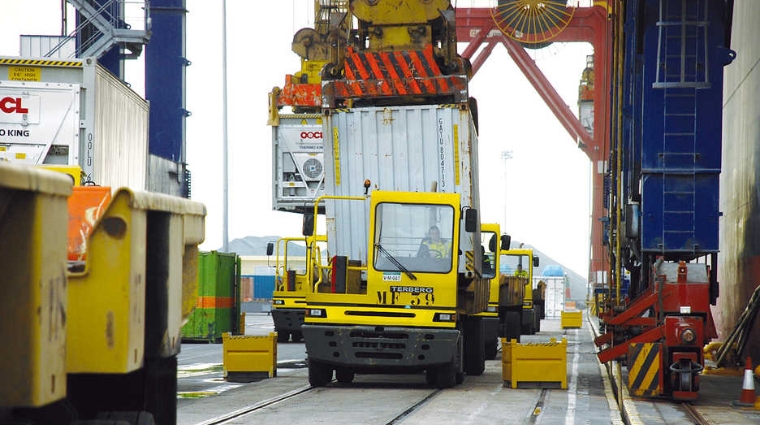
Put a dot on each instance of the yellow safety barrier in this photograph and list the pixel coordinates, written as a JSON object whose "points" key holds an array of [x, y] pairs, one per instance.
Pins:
{"points": [[33, 220], [128, 300], [241, 324], [534, 362], [572, 319], [249, 358]]}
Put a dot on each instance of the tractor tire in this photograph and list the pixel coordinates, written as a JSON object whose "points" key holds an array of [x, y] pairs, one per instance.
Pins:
{"points": [[320, 374]]}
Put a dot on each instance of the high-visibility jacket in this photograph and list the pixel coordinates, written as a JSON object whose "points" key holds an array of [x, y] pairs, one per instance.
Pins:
{"points": [[438, 249], [521, 273]]}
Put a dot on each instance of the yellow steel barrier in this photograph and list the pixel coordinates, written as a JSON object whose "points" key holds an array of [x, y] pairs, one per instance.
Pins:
{"points": [[241, 324], [572, 319], [33, 219], [138, 284], [248, 358], [534, 362]]}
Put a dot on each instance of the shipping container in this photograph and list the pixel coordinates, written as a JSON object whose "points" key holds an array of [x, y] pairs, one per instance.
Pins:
{"points": [[420, 148], [218, 306], [555, 295], [263, 287], [298, 162], [73, 112]]}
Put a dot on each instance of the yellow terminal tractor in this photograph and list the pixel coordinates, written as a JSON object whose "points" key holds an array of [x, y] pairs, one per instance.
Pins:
{"points": [[406, 309], [519, 263], [296, 273], [493, 244]]}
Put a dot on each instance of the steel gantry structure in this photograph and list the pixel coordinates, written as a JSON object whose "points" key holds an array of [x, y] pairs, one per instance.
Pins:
{"points": [[478, 27]]}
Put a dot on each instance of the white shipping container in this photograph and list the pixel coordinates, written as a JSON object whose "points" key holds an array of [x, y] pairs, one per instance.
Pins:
{"points": [[555, 296], [422, 148], [73, 112], [298, 162]]}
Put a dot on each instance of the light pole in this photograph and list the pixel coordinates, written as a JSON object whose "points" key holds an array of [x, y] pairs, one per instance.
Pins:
{"points": [[505, 155], [225, 154]]}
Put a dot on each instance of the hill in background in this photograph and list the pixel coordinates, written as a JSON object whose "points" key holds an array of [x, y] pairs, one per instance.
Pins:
{"points": [[257, 246]]}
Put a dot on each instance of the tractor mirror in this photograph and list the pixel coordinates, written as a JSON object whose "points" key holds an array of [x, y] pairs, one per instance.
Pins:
{"points": [[308, 224]]}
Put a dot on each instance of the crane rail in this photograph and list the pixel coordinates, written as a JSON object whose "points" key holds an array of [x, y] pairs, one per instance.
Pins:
{"points": [[694, 414], [226, 418], [413, 408]]}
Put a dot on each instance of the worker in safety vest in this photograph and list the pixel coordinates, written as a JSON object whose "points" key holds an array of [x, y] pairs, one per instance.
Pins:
{"points": [[434, 246], [520, 272]]}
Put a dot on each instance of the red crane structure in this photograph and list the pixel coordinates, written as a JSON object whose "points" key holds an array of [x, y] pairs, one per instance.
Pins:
{"points": [[489, 27]]}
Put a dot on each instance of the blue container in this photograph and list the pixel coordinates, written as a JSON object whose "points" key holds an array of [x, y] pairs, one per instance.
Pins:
{"points": [[263, 287]]}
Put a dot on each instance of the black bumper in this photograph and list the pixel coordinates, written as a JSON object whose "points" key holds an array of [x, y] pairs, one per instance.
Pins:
{"points": [[287, 319], [380, 349], [490, 328]]}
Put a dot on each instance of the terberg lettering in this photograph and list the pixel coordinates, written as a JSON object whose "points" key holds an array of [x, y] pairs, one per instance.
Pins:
{"points": [[412, 289]]}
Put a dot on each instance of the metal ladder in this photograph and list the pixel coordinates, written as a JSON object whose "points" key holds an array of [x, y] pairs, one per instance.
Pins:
{"points": [[682, 70]]}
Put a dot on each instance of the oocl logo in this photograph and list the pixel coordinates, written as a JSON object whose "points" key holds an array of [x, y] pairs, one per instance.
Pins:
{"points": [[311, 135], [11, 105]]}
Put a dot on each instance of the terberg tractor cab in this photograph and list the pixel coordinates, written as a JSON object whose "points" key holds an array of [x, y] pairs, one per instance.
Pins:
{"points": [[519, 264], [493, 246], [296, 273]]}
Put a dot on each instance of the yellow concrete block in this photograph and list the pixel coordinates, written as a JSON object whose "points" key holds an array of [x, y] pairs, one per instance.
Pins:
{"points": [[534, 362], [572, 319], [246, 358]]}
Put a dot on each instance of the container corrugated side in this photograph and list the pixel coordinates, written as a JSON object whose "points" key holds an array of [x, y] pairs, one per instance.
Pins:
{"points": [[421, 148], [120, 134]]}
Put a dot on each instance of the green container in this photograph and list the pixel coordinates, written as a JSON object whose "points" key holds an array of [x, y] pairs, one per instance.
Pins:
{"points": [[217, 309]]}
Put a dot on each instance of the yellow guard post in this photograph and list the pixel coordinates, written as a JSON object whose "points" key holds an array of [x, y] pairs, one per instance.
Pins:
{"points": [[33, 220]]}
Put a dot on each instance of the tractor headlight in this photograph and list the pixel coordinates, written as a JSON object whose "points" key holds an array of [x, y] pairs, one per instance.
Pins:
{"points": [[316, 312], [688, 336], [444, 317]]}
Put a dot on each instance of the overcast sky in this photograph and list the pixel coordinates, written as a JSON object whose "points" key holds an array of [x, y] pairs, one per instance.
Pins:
{"points": [[547, 179]]}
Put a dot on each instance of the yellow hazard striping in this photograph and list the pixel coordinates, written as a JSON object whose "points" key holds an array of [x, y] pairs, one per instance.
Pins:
{"points": [[39, 62], [652, 373], [306, 116], [644, 370], [470, 263]]}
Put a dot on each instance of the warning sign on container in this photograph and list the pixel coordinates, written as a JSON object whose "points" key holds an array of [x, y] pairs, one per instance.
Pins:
{"points": [[24, 73]]}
